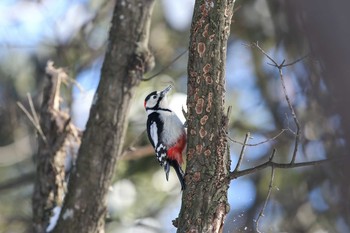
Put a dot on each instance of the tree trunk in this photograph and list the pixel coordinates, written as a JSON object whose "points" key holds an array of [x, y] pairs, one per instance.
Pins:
{"points": [[204, 201], [126, 60]]}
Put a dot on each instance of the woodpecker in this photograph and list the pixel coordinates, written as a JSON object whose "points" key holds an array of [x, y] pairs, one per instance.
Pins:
{"points": [[166, 133]]}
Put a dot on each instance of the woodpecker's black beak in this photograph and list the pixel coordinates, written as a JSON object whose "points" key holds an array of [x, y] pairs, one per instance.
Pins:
{"points": [[165, 91], [167, 170]]}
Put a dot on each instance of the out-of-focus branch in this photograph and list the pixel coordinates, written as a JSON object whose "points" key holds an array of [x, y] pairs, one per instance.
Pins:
{"points": [[18, 181], [33, 117], [261, 214], [242, 152], [130, 154], [270, 163], [166, 66], [21, 149], [290, 106], [137, 153], [259, 143]]}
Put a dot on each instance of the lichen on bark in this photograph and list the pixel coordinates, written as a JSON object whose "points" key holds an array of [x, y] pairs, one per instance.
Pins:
{"points": [[204, 202]]}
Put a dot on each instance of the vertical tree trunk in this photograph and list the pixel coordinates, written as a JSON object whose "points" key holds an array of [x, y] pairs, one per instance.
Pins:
{"points": [[204, 202], [126, 60]]}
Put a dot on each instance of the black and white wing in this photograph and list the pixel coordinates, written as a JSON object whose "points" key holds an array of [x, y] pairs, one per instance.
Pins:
{"points": [[154, 129]]}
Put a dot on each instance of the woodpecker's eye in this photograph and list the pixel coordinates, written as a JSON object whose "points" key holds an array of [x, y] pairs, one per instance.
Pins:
{"points": [[154, 97]]}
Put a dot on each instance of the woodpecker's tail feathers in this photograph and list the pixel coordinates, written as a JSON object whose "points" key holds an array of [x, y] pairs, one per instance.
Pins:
{"points": [[167, 169], [179, 172], [181, 175]]}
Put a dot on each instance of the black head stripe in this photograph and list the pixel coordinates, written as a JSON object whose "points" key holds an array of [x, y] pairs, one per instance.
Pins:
{"points": [[156, 107], [159, 109], [158, 102], [149, 96], [154, 93]]}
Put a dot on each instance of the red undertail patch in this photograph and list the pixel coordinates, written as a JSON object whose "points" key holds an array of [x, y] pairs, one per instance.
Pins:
{"points": [[175, 152]]}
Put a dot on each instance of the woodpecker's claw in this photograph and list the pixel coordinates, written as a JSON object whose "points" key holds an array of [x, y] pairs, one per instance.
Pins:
{"points": [[167, 170]]}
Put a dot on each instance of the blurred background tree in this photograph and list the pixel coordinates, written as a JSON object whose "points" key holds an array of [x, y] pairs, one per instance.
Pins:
{"points": [[74, 35]]}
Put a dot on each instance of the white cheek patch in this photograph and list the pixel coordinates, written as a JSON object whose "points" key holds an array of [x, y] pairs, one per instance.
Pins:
{"points": [[151, 102]]}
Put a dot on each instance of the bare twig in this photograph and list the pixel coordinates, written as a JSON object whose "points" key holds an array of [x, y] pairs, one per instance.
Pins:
{"points": [[296, 61], [290, 106], [20, 105], [261, 214], [16, 182], [270, 163], [241, 155], [274, 63], [256, 45], [165, 67], [139, 152], [136, 153], [131, 147], [77, 84], [272, 154], [34, 119], [296, 121], [227, 117], [32, 109], [259, 143]]}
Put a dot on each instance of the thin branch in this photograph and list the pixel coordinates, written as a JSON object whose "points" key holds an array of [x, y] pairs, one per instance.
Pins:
{"points": [[133, 153], [270, 163], [136, 140], [77, 84], [235, 174], [290, 106], [296, 61], [165, 67], [259, 143], [261, 214], [227, 117], [136, 153], [32, 109], [296, 121], [272, 154], [24, 179], [20, 105], [33, 119], [279, 66], [242, 152], [256, 45]]}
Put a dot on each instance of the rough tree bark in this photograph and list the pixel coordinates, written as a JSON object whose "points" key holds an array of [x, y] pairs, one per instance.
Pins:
{"points": [[126, 60], [55, 131], [204, 201]]}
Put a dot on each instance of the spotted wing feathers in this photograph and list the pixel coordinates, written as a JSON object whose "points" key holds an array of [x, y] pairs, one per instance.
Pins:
{"points": [[155, 127]]}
